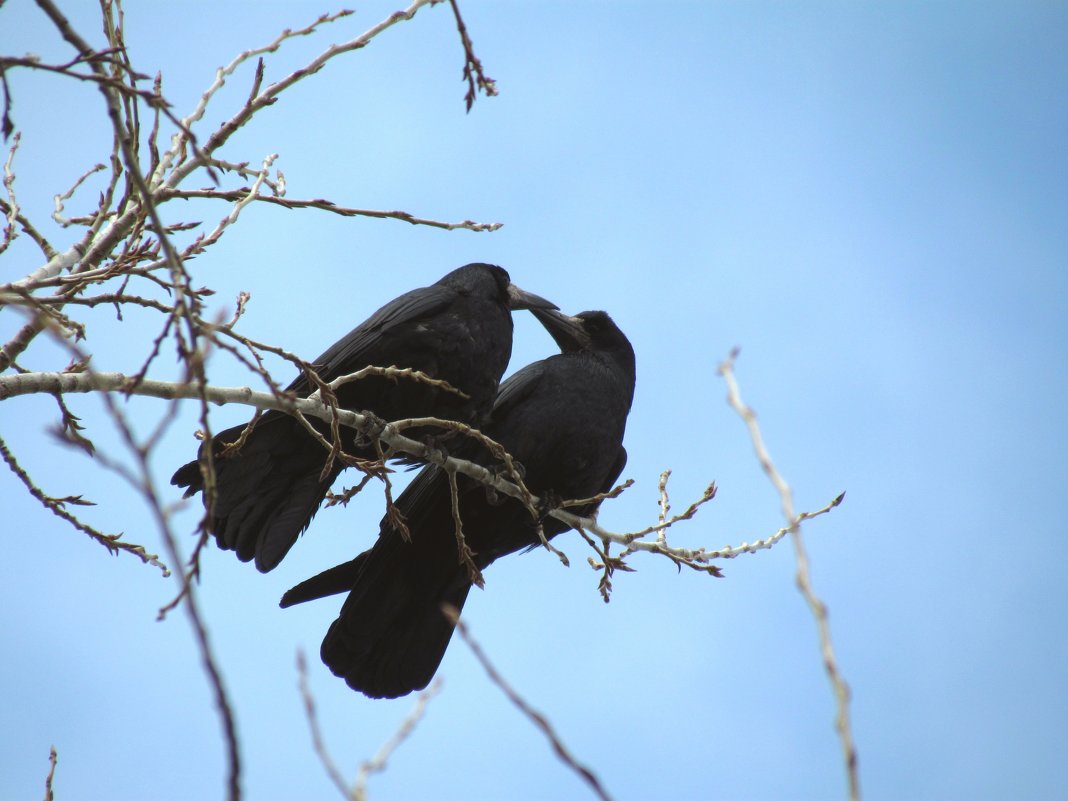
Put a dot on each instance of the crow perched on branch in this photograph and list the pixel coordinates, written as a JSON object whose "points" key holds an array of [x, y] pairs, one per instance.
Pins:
{"points": [[563, 419], [458, 330]]}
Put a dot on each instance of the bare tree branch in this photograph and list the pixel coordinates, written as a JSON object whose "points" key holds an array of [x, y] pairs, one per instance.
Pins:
{"points": [[53, 758], [174, 166], [270, 95], [59, 200], [146, 485], [234, 195], [473, 73], [466, 555], [11, 207], [377, 763], [804, 580], [358, 790], [532, 714], [313, 724], [113, 542], [696, 559]]}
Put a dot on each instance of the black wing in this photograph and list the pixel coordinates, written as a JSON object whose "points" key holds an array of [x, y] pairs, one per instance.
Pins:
{"points": [[351, 351]]}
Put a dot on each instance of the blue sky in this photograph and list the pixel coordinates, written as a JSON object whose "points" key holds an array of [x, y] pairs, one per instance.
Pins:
{"points": [[870, 201]]}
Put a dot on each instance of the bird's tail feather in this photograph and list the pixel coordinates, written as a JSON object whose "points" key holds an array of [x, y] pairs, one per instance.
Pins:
{"points": [[266, 493], [392, 632], [332, 581]]}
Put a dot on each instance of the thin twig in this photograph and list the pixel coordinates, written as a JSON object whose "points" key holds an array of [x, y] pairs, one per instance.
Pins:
{"points": [[11, 208], [532, 714], [393, 372], [313, 724], [473, 73], [240, 202], [615, 492], [220, 79], [377, 763], [665, 507], [28, 228], [53, 758], [358, 790], [115, 82], [466, 555], [113, 542], [804, 580], [236, 195], [144, 483], [59, 200], [270, 95]]}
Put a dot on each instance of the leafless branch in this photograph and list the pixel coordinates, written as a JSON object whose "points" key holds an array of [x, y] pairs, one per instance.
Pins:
{"points": [[53, 758], [138, 209], [115, 82], [804, 580], [532, 714], [123, 240], [106, 299], [7, 125], [313, 724], [270, 95], [225, 72], [113, 542], [466, 556], [358, 790], [235, 195], [343, 498], [394, 372], [474, 75], [615, 492], [240, 202], [377, 764], [11, 208], [508, 482], [9, 211], [60, 200], [144, 483]]}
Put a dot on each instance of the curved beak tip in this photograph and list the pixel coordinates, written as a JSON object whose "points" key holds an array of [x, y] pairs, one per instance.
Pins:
{"points": [[521, 299], [569, 332]]}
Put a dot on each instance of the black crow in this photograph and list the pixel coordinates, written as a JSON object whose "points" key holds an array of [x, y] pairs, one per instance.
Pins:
{"points": [[458, 329], [563, 418]]}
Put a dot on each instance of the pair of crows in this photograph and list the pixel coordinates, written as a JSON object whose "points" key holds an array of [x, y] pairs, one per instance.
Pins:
{"points": [[562, 418]]}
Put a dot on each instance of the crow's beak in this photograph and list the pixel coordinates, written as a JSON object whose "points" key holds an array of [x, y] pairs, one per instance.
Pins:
{"points": [[520, 299], [569, 332]]}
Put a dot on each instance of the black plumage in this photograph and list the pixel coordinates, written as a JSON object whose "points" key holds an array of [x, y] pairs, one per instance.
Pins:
{"points": [[563, 418], [458, 329]]}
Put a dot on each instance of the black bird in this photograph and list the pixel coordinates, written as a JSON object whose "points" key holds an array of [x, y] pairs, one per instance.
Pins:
{"points": [[458, 329], [563, 418]]}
